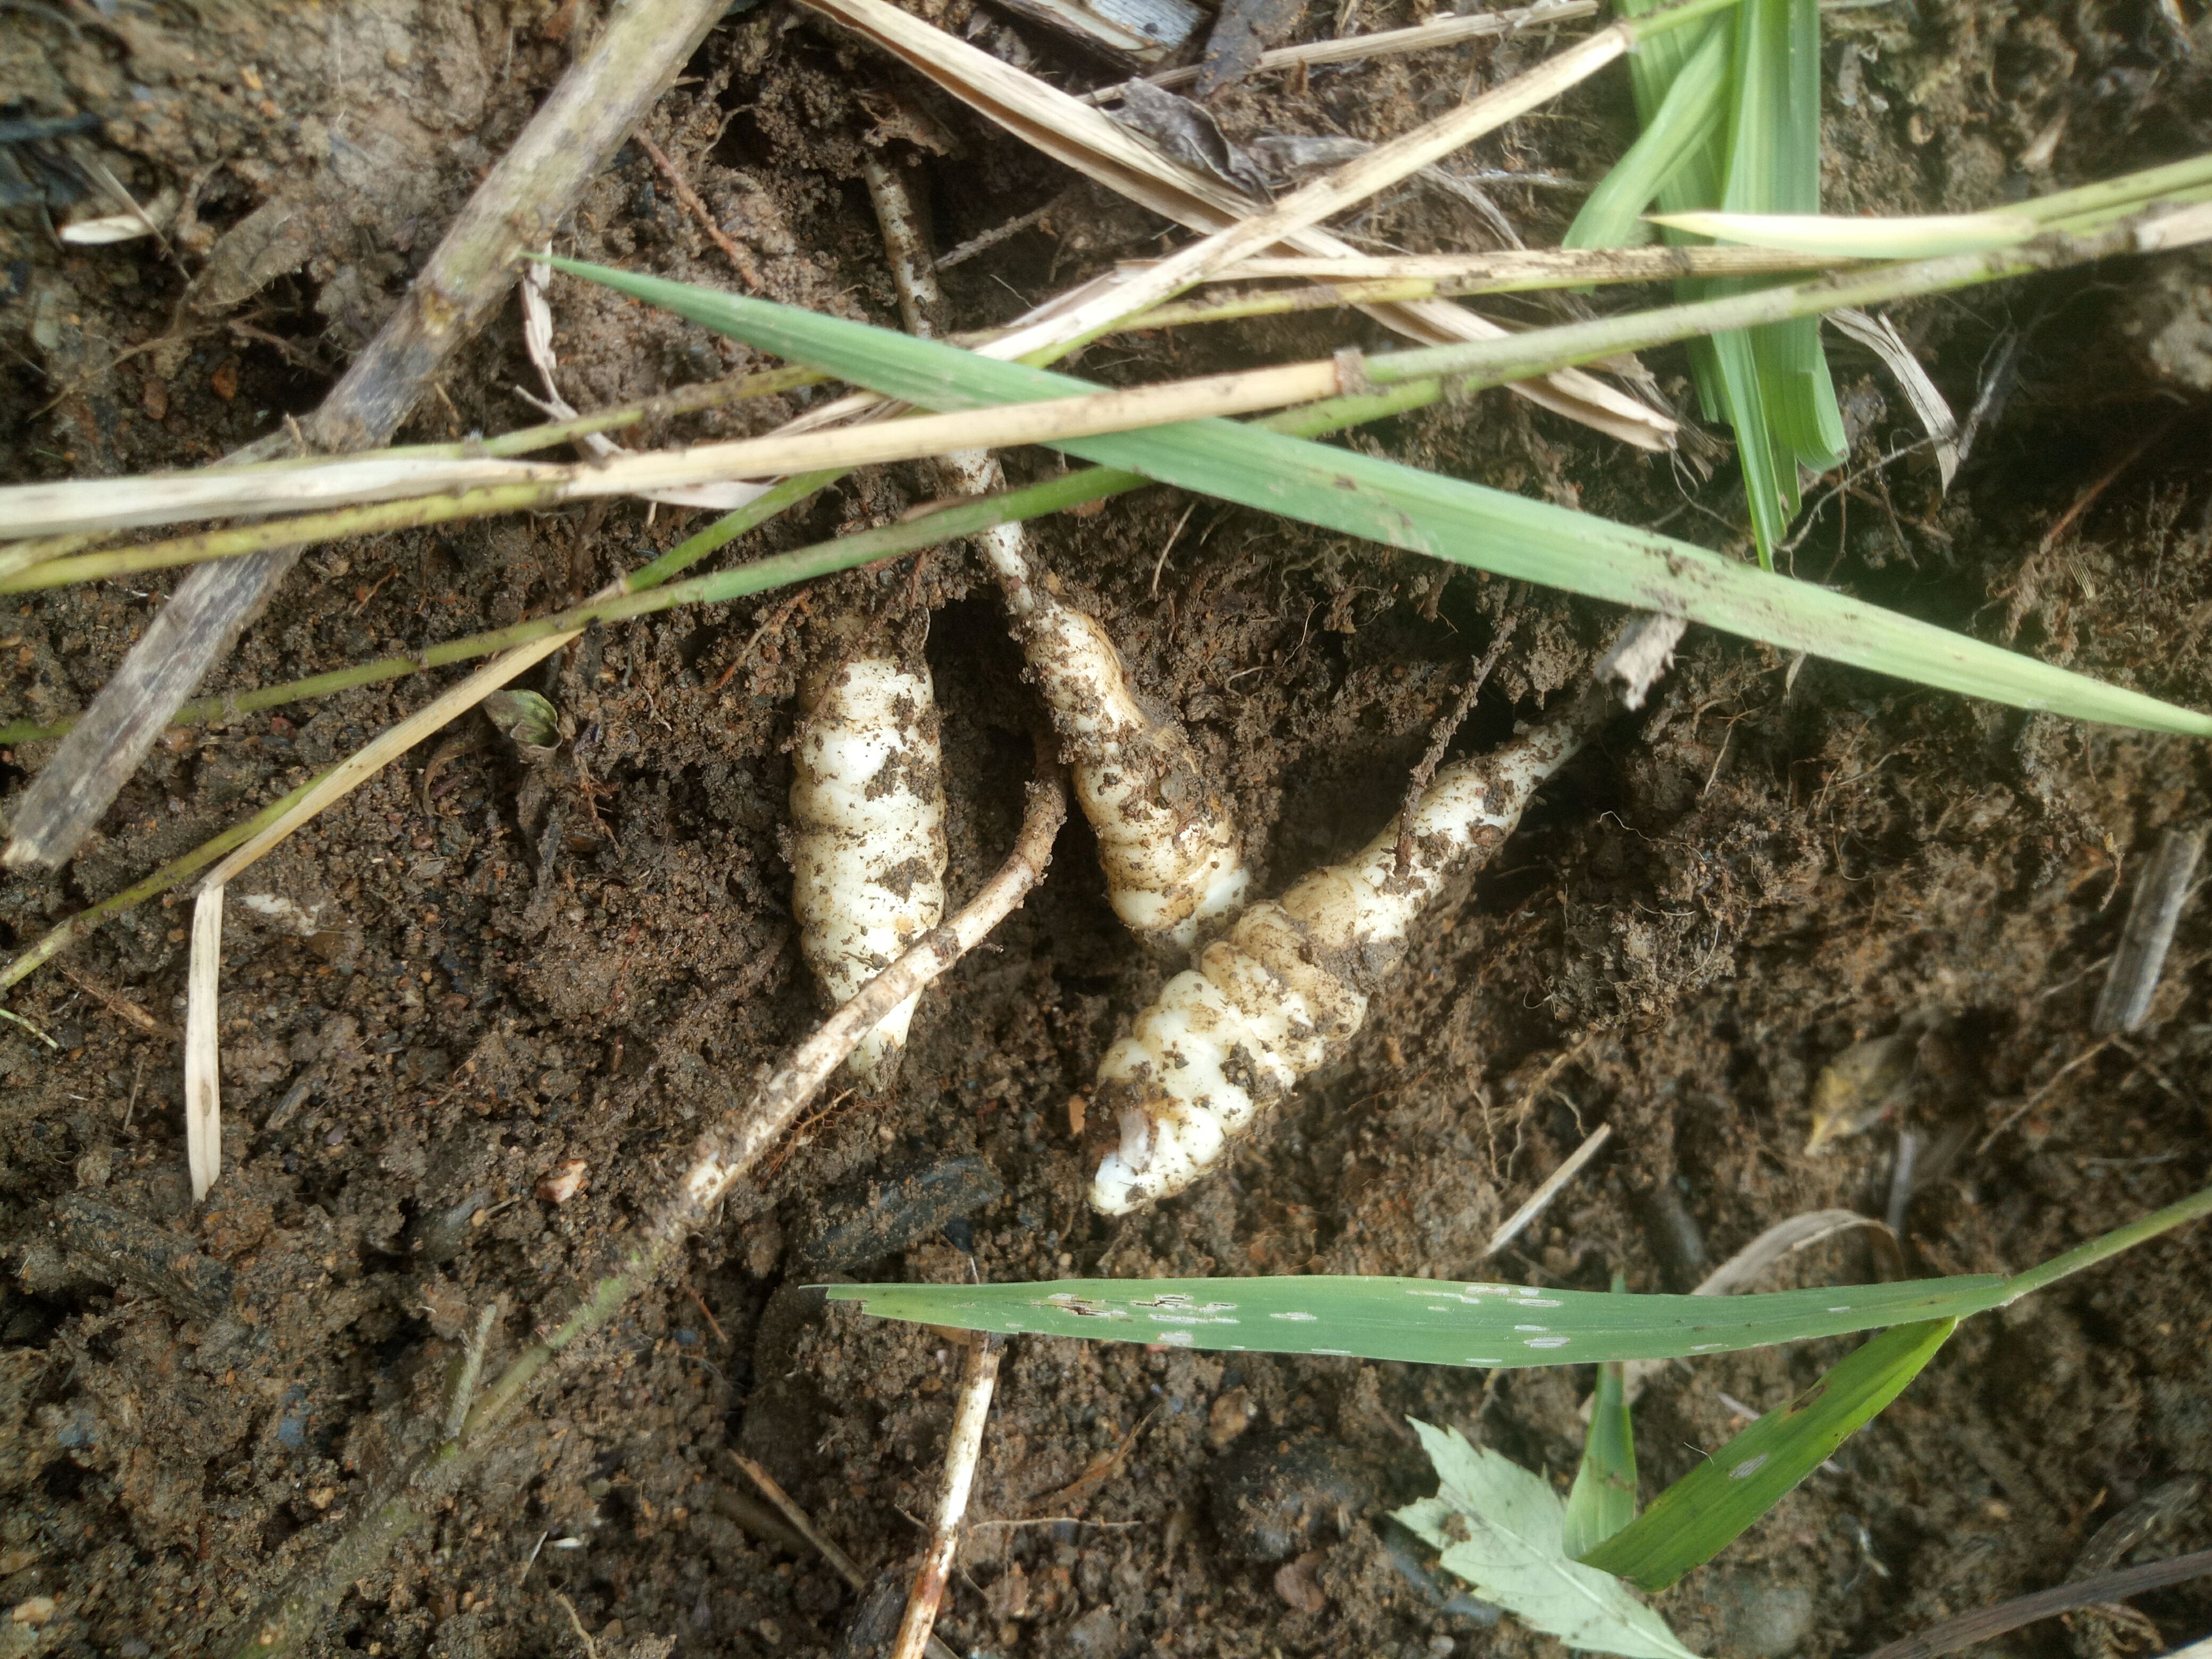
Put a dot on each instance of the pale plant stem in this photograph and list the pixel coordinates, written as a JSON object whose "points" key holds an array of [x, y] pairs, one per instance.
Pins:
{"points": [[203, 1081], [109, 503], [1554, 1184], [963, 1450]]}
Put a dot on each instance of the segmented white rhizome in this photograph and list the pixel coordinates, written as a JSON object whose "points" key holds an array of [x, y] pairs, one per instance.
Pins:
{"points": [[1288, 987], [867, 845]]}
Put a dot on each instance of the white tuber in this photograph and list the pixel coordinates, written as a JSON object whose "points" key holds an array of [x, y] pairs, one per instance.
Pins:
{"points": [[1172, 854], [868, 844], [1170, 851], [1286, 989]]}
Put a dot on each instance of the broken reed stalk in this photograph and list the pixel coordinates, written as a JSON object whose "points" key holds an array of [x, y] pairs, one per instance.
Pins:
{"points": [[722, 1156], [1384, 42], [113, 503], [964, 1451], [1069, 490], [531, 188]]}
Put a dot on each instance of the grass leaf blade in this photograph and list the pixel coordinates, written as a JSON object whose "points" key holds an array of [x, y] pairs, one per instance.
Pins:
{"points": [[1425, 513], [1424, 1320], [1603, 1500], [1696, 1517], [1684, 123]]}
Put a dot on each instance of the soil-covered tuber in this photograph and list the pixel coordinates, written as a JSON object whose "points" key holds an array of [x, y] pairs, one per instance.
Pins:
{"points": [[1287, 988], [867, 845]]}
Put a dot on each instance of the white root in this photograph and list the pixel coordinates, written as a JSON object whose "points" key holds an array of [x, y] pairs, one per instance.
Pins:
{"points": [[1173, 861], [868, 845], [1288, 988]]}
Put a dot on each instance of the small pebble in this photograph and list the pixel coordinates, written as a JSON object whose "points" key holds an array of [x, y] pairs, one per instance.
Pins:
{"points": [[1296, 1584], [564, 1181], [1230, 1416]]}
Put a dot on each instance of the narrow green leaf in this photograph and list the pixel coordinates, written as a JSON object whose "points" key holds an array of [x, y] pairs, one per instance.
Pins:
{"points": [[1500, 1527], [1603, 1500], [1697, 1516], [1774, 166], [1449, 1322], [1686, 120], [1424, 1321], [1425, 513]]}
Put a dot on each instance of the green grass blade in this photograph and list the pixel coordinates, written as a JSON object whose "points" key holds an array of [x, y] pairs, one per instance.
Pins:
{"points": [[1696, 1517], [1423, 1321], [1603, 1500], [1684, 123], [1447, 1322], [1774, 167], [1425, 513]]}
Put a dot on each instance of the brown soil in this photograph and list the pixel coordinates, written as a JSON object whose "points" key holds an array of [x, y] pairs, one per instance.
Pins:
{"points": [[480, 970]]}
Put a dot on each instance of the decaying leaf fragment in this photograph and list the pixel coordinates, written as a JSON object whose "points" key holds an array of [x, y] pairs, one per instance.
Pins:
{"points": [[1860, 1085]]}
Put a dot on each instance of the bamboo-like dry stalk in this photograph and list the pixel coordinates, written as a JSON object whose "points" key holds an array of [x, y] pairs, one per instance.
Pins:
{"points": [[115, 503], [726, 1152], [527, 192], [1515, 269]]}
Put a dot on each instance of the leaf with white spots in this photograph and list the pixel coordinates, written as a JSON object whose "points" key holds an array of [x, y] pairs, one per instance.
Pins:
{"points": [[1424, 1321], [1697, 1516], [1501, 1529]]}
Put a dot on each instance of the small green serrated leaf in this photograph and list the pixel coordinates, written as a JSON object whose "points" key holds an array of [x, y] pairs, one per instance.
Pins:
{"points": [[1693, 1519], [1499, 1527]]}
